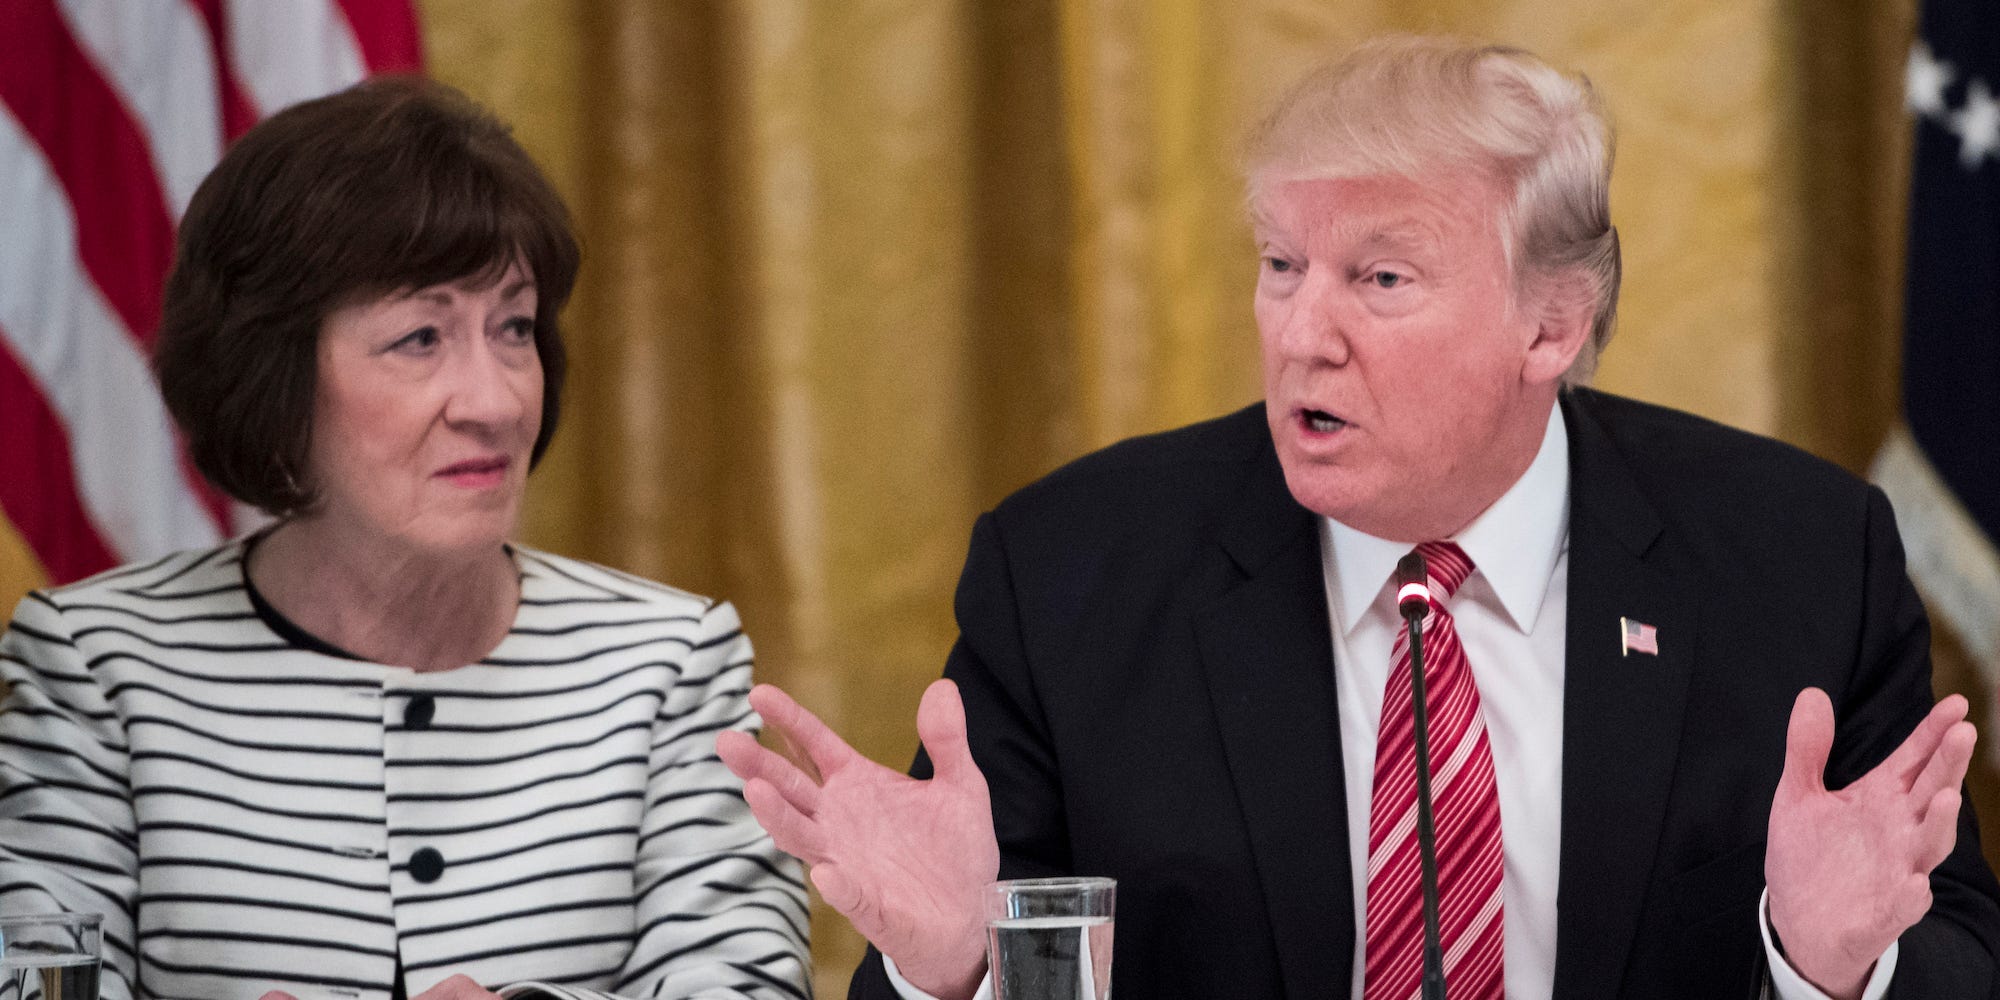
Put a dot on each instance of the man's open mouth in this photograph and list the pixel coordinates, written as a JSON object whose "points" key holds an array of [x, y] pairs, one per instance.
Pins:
{"points": [[1322, 422]]}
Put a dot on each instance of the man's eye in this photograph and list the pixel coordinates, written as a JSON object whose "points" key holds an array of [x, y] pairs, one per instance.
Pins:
{"points": [[1278, 265], [1386, 279]]}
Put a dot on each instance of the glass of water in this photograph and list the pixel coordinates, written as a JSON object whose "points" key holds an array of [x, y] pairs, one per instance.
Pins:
{"points": [[50, 956], [1050, 938]]}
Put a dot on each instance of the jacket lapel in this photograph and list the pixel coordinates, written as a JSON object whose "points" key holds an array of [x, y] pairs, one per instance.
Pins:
{"points": [[1621, 713], [1266, 647]]}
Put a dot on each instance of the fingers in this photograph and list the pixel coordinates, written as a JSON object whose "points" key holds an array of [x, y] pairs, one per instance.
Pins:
{"points": [[827, 751], [1807, 741], [1947, 766], [738, 751], [789, 749], [1914, 755], [793, 831], [746, 759], [941, 725], [458, 987], [1939, 832]]}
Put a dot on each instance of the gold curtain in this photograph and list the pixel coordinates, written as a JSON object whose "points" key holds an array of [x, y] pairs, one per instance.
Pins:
{"points": [[855, 269], [858, 268]]}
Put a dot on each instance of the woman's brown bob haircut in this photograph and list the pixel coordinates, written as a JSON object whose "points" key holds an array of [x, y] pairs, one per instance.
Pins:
{"points": [[395, 184]]}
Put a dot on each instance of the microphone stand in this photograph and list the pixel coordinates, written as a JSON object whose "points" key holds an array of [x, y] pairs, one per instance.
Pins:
{"points": [[1410, 571]]}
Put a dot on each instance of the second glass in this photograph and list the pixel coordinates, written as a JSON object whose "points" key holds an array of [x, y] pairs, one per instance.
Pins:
{"points": [[49, 957]]}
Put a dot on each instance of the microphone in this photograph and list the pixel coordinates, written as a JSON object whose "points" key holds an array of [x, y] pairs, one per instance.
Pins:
{"points": [[1413, 588], [1413, 601]]}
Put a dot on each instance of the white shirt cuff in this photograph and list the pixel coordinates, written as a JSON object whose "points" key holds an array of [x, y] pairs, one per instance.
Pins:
{"points": [[1787, 984], [908, 992]]}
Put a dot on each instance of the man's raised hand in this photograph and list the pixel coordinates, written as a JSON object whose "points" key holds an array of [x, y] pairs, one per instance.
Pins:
{"points": [[904, 860], [1849, 871]]}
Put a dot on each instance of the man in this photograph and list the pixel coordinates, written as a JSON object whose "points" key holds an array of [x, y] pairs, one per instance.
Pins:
{"points": [[1181, 665]]}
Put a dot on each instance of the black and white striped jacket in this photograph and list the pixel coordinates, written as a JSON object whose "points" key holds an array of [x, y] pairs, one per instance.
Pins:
{"points": [[250, 815]]}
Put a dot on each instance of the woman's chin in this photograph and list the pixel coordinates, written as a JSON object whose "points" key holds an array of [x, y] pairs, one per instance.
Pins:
{"points": [[458, 537], [470, 539]]}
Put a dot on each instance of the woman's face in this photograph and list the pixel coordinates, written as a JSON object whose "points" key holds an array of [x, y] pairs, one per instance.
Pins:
{"points": [[427, 408]]}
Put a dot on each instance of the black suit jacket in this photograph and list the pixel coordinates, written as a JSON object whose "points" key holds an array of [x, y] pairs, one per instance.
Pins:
{"points": [[1146, 663]]}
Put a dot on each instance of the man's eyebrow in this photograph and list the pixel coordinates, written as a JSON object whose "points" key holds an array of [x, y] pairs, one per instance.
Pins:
{"points": [[1262, 222], [1366, 236], [1401, 235]]}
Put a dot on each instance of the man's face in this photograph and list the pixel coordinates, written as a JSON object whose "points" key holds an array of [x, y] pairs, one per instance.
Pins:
{"points": [[1406, 386]]}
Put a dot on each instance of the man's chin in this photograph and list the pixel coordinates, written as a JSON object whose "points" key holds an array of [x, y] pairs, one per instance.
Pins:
{"points": [[1346, 498], [1328, 492]]}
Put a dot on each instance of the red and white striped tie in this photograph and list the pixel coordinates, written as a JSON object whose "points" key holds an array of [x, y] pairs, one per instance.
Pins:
{"points": [[1466, 806]]}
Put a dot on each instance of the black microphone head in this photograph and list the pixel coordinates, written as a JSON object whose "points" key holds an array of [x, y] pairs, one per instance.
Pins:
{"points": [[1413, 587]]}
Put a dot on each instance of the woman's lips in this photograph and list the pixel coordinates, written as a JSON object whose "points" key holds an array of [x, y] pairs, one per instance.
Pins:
{"points": [[480, 473]]}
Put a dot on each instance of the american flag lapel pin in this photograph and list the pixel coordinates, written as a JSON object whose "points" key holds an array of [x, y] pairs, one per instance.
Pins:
{"points": [[1637, 637]]}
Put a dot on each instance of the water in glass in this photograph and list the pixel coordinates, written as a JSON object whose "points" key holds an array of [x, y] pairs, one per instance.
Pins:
{"points": [[33, 974], [1050, 958]]}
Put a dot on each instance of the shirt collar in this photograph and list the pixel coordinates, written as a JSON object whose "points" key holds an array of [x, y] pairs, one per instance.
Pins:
{"points": [[1514, 544]]}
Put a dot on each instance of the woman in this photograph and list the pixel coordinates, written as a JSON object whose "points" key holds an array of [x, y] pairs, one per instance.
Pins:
{"points": [[374, 750]]}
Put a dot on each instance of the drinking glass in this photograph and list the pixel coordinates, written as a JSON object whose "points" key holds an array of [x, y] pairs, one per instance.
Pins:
{"points": [[49, 956], [1050, 938]]}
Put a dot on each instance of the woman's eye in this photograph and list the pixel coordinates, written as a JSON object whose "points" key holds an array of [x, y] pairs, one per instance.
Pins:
{"points": [[519, 329], [421, 339]]}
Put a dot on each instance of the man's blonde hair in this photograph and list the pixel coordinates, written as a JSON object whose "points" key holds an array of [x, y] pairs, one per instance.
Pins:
{"points": [[1411, 105]]}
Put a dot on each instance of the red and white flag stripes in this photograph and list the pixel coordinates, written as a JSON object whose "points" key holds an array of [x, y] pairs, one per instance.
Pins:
{"points": [[111, 112]]}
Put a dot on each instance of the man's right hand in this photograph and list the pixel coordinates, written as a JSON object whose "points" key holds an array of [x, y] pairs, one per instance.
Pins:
{"points": [[904, 860]]}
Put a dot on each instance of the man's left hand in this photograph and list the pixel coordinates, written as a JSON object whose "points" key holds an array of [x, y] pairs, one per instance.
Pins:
{"points": [[1849, 871]]}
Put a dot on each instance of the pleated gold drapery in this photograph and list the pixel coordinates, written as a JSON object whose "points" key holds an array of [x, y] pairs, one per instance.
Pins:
{"points": [[857, 268]]}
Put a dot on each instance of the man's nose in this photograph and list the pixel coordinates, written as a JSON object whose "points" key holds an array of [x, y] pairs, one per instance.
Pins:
{"points": [[1315, 329]]}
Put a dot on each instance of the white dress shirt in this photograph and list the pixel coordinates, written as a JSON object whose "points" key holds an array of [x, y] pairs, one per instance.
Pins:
{"points": [[1512, 617]]}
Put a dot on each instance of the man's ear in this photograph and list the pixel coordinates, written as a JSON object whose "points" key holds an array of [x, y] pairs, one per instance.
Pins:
{"points": [[1564, 310]]}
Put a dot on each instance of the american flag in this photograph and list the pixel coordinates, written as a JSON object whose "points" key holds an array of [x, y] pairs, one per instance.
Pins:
{"points": [[1938, 468], [1638, 637], [111, 112]]}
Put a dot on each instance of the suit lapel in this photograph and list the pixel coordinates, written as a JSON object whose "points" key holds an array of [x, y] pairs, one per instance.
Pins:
{"points": [[1621, 713], [1266, 647]]}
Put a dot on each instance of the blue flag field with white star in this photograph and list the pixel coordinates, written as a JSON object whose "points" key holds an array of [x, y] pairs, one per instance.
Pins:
{"points": [[1942, 470]]}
